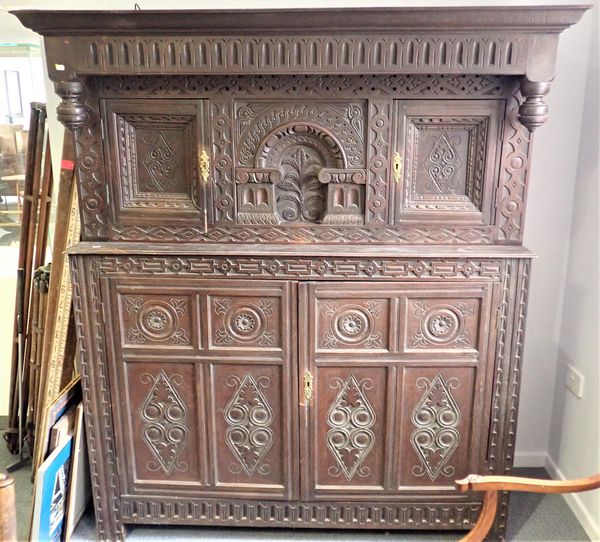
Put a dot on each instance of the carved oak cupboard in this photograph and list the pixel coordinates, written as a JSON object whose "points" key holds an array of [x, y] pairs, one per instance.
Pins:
{"points": [[300, 295]]}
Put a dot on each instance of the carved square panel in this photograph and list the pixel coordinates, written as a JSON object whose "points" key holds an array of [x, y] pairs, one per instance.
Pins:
{"points": [[163, 419], [436, 426], [239, 322], [154, 148], [250, 442], [352, 324], [446, 160], [447, 325], [156, 320]]}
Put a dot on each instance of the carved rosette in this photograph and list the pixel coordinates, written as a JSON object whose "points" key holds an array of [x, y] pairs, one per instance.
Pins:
{"points": [[350, 418], [351, 325], [156, 320], [441, 324], [163, 413], [245, 322], [436, 418], [249, 416]]}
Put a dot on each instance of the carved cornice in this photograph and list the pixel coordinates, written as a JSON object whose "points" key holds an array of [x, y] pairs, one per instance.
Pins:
{"points": [[377, 40], [330, 21]]}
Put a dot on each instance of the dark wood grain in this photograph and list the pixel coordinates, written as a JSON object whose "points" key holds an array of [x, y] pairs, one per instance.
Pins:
{"points": [[301, 292]]}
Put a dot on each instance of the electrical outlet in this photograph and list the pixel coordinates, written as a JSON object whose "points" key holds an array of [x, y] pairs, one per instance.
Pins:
{"points": [[575, 381]]}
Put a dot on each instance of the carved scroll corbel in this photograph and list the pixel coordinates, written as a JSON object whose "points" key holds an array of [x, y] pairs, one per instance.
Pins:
{"points": [[533, 112], [71, 111], [345, 196]]}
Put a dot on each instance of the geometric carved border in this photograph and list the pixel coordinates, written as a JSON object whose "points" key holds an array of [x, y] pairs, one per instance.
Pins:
{"points": [[445, 515], [302, 268], [298, 86]]}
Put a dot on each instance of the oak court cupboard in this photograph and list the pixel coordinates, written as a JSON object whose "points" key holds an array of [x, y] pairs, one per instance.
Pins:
{"points": [[301, 290]]}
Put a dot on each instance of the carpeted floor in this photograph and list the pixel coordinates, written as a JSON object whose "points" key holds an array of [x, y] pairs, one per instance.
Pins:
{"points": [[532, 517]]}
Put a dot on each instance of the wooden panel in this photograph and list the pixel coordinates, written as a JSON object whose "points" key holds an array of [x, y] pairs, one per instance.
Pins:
{"points": [[439, 412], [154, 150], [449, 152], [437, 321], [357, 322], [162, 421], [237, 321], [349, 441], [247, 410]]}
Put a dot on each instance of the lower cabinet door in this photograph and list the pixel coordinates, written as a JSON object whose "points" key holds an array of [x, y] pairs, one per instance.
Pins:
{"points": [[393, 386], [204, 389]]}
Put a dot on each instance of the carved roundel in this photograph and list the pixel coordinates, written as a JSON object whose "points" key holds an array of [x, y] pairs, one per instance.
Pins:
{"points": [[352, 324], [442, 324], [158, 320], [246, 322]]}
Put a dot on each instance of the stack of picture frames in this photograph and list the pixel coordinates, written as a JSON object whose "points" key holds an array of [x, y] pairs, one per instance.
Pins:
{"points": [[58, 370]]}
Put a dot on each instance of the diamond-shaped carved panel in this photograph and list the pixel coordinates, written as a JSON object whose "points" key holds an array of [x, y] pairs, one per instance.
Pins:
{"points": [[350, 418], [164, 421], [436, 419], [249, 417]]}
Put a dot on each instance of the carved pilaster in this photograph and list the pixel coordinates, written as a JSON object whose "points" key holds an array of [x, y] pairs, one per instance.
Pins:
{"points": [[71, 110], [533, 112]]}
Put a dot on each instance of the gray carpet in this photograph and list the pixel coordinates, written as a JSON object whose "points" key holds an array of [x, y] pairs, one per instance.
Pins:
{"points": [[544, 518]]}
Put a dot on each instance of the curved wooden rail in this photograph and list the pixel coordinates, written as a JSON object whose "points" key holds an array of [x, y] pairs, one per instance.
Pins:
{"points": [[492, 484]]}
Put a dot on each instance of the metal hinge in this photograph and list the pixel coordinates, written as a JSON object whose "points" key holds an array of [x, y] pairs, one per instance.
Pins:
{"points": [[397, 167], [308, 385], [204, 165]]}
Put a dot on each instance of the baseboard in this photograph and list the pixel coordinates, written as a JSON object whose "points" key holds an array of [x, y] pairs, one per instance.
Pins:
{"points": [[583, 515], [530, 459]]}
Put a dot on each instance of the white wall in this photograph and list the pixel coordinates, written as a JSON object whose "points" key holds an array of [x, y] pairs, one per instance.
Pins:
{"points": [[574, 448], [554, 171]]}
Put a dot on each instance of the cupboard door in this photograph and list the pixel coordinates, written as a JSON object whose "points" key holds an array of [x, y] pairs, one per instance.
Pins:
{"points": [[205, 386], [394, 379], [155, 161], [447, 160]]}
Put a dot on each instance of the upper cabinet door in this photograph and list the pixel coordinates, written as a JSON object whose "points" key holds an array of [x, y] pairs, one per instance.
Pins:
{"points": [[446, 163], [157, 162]]}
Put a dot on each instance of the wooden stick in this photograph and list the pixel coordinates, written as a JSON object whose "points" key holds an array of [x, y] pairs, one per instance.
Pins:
{"points": [[24, 271], [474, 482]]}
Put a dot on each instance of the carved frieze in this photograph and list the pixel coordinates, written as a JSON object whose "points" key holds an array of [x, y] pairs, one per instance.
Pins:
{"points": [[302, 268]]}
